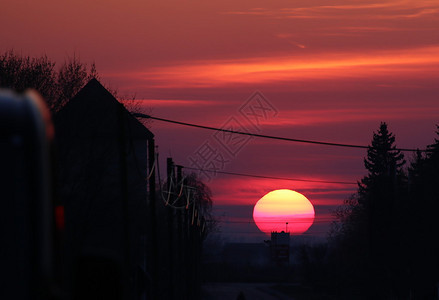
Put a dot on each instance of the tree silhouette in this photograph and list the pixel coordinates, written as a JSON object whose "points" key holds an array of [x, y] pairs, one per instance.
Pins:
{"points": [[383, 160], [423, 222], [57, 87], [19, 73], [72, 76], [378, 190], [383, 194], [369, 234], [202, 200]]}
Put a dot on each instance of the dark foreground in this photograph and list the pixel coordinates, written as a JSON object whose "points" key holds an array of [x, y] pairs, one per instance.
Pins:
{"points": [[232, 290], [263, 291]]}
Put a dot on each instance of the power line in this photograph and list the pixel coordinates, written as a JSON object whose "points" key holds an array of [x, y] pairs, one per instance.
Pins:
{"points": [[140, 115], [269, 177]]}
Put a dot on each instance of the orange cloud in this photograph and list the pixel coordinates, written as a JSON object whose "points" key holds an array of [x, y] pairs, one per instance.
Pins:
{"points": [[300, 117], [287, 68], [389, 10]]}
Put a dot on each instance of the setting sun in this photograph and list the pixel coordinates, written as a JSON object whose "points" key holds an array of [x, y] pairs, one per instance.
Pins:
{"points": [[283, 210]]}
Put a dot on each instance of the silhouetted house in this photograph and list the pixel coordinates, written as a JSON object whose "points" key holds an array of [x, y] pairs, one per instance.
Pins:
{"points": [[102, 154]]}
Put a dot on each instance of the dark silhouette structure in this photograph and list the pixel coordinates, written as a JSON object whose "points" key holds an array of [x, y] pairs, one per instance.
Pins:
{"points": [[123, 241], [101, 235], [280, 247], [384, 246], [105, 157], [26, 222]]}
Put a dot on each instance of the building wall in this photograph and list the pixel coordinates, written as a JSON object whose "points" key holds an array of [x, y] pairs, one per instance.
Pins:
{"points": [[102, 154]]}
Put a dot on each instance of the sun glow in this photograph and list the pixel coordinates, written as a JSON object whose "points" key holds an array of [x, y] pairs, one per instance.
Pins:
{"points": [[283, 210]]}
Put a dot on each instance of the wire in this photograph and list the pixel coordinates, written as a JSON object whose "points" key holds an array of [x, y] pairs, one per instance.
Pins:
{"points": [[184, 189], [181, 188], [187, 198], [140, 115], [169, 195], [152, 169], [167, 201], [269, 177]]}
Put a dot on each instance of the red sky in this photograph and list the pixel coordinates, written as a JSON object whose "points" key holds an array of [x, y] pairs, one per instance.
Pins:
{"points": [[332, 72]]}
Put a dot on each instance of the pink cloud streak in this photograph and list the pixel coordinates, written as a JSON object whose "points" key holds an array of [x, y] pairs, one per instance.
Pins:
{"points": [[417, 61]]}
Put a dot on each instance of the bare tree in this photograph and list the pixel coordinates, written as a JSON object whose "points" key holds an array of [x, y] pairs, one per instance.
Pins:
{"points": [[56, 86]]}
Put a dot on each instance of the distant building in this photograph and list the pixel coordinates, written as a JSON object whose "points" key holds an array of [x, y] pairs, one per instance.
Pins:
{"points": [[280, 247]]}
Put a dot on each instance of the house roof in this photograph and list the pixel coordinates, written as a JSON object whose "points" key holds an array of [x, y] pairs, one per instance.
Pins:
{"points": [[94, 112]]}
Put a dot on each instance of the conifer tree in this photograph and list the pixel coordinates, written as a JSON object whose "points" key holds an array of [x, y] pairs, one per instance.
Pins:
{"points": [[372, 219], [381, 191], [423, 222], [383, 160]]}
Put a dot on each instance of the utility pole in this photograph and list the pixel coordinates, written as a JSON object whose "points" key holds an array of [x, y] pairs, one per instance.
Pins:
{"points": [[152, 165], [171, 179], [179, 216]]}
